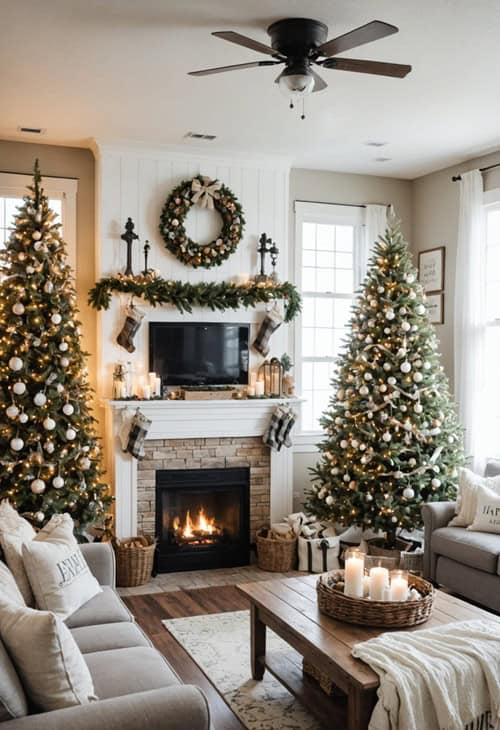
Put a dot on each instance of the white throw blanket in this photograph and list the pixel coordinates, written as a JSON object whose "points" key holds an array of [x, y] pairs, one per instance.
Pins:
{"points": [[442, 678]]}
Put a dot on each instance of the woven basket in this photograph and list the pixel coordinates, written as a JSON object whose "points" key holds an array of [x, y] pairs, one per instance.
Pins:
{"points": [[134, 560], [401, 557], [276, 556], [384, 614]]}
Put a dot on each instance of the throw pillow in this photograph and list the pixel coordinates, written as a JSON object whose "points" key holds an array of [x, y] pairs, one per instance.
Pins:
{"points": [[9, 589], [47, 658], [13, 701], [469, 484], [487, 518], [58, 573], [14, 531]]}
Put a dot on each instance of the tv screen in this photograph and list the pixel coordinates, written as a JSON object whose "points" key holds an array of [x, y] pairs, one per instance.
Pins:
{"points": [[194, 354]]}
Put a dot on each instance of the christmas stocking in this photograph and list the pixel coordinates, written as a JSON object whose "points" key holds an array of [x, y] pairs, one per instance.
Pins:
{"points": [[133, 319], [139, 428], [271, 322]]}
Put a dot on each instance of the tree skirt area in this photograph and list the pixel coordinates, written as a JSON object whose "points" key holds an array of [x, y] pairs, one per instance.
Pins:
{"points": [[220, 645]]}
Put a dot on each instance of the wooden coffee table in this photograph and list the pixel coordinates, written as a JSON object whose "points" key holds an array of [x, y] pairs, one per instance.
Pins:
{"points": [[289, 607]]}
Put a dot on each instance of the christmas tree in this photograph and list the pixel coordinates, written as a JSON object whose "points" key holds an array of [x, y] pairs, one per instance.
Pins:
{"points": [[393, 440], [48, 449]]}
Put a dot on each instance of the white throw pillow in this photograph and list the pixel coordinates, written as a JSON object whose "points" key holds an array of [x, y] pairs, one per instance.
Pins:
{"points": [[14, 532], [58, 573], [9, 590], [51, 667], [487, 517], [469, 483]]}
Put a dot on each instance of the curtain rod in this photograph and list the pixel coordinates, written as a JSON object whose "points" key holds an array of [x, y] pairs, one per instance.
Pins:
{"points": [[30, 174], [347, 205], [456, 178]]}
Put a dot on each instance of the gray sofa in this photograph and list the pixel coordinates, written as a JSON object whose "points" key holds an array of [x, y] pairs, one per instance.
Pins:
{"points": [[136, 687], [466, 562]]}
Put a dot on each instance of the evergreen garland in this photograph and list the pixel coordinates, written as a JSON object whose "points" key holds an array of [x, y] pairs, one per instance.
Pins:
{"points": [[216, 296]]}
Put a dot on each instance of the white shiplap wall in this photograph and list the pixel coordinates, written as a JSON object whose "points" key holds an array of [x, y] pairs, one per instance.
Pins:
{"points": [[135, 181]]}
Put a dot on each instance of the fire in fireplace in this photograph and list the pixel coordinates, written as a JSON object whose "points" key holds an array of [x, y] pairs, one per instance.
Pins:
{"points": [[202, 518]]}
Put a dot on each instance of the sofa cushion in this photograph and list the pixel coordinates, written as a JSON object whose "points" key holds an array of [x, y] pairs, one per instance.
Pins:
{"points": [[12, 698], [9, 590], [105, 608], [477, 549], [14, 532], [125, 671], [121, 635]]}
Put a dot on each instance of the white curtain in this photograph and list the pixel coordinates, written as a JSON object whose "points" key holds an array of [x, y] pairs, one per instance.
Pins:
{"points": [[375, 225], [470, 315]]}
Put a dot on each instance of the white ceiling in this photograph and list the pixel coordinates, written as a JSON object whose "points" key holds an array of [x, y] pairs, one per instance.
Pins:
{"points": [[116, 70]]}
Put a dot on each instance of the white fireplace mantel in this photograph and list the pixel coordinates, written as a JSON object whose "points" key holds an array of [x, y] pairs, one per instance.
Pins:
{"points": [[193, 419]]}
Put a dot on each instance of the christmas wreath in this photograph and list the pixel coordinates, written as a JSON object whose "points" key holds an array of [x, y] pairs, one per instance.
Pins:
{"points": [[206, 193]]}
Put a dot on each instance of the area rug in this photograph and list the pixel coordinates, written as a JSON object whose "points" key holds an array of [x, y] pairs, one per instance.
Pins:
{"points": [[220, 645]]}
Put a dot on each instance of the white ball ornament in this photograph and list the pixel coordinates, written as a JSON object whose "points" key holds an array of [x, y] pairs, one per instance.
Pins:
{"points": [[386, 436], [412, 462], [418, 377], [40, 399], [406, 326], [344, 444], [56, 318], [58, 482], [19, 388], [436, 483], [363, 390], [373, 304], [37, 342], [390, 314], [329, 500], [382, 388], [410, 278], [38, 245], [30, 269], [380, 289], [23, 417], [394, 518], [36, 235], [362, 447], [63, 347], [39, 516], [48, 287], [420, 309], [338, 420], [12, 411], [427, 365], [355, 443], [402, 311], [64, 362], [387, 366], [391, 380], [18, 308], [60, 388], [407, 426], [368, 376], [68, 409], [412, 294], [335, 471], [38, 486], [49, 447], [16, 444], [71, 434], [347, 478], [387, 330], [408, 493], [405, 367], [369, 497], [369, 415], [49, 424], [403, 408], [15, 364]]}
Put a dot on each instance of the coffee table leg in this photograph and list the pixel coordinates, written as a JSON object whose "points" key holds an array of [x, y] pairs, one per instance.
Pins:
{"points": [[257, 643], [359, 708]]}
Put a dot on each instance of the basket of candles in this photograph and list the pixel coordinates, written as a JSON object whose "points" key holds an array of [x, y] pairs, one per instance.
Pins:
{"points": [[382, 598]]}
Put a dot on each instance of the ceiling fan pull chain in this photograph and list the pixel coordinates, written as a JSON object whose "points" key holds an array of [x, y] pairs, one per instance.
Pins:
{"points": [[303, 115]]}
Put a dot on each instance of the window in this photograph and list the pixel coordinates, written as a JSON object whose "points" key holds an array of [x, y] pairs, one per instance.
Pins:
{"points": [[326, 237], [492, 354], [62, 199]]}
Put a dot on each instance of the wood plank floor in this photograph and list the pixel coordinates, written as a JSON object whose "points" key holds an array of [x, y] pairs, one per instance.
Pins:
{"points": [[151, 609]]}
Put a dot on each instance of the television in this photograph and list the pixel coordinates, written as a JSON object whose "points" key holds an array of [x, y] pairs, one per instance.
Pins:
{"points": [[199, 353]]}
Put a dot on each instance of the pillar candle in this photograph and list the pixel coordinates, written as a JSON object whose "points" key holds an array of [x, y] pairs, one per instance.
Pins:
{"points": [[253, 378], [157, 390], [399, 586], [354, 574], [152, 381], [251, 391], [386, 595], [259, 387], [146, 391], [379, 579]]}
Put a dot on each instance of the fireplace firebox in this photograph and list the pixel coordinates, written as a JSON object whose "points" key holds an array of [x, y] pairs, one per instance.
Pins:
{"points": [[202, 518]]}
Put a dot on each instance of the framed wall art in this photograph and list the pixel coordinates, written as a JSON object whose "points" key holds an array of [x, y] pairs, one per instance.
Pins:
{"points": [[431, 269], [435, 307]]}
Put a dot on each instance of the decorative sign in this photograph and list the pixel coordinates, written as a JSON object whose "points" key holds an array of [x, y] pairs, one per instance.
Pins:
{"points": [[435, 308], [431, 269]]}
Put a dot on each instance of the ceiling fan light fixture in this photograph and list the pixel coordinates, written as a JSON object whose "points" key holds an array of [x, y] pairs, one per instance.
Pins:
{"points": [[296, 81]]}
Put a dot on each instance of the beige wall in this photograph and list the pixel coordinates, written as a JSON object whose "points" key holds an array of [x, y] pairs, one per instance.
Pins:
{"points": [[335, 187], [77, 163], [435, 223]]}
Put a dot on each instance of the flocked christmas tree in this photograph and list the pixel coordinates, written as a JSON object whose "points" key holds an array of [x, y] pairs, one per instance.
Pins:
{"points": [[393, 440], [49, 453]]}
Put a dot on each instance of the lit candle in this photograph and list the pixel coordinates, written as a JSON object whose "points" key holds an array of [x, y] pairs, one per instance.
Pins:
{"points": [[259, 387], [253, 378], [152, 381], [251, 391], [379, 579], [157, 390], [123, 390], [354, 573], [146, 391], [399, 585]]}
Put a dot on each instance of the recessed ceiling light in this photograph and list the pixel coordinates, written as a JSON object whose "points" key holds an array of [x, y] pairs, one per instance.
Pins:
{"points": [[31, 130], [382, 159], [200, 135], [371, 143]]}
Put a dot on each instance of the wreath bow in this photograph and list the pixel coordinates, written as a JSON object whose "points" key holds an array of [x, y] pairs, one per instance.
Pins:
{"points": [[204, 191]]}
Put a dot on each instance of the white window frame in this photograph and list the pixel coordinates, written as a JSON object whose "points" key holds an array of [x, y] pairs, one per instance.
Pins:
{"points": [[60, 188], [306, 212], [492, 202]]}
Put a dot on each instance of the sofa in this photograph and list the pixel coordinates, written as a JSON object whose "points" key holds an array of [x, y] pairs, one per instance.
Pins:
{"points": [[466, 562], [136, 686]]}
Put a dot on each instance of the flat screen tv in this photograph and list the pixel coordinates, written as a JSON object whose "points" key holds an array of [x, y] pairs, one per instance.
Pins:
{"points": [[199, 353]]}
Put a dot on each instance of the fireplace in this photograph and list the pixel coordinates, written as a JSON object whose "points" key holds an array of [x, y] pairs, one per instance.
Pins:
{"points": [[202, 518]]}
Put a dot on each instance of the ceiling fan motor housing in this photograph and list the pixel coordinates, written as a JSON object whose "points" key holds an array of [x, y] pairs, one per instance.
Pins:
{"points": [[295, 38]]}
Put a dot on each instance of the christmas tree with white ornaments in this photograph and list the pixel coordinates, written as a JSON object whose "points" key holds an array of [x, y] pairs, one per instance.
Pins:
{"points": [[49, 453], [393, 439]]}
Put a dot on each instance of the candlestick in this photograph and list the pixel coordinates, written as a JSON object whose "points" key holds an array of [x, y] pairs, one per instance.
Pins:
{"points": [[354, 573], [399, 585], [259, 387], [379, 579]]}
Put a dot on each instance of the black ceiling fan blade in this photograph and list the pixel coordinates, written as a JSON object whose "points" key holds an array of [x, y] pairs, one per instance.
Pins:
{"points": [[357, 37], [379, 68], [319, 84], [234, 67], [243, 40]]}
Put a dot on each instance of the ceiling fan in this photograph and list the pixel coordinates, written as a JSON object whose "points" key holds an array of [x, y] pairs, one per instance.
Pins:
{"points": [[300, 42]]}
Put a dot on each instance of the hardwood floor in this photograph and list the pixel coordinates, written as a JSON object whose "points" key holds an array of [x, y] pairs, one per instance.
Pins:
{"points": [[149, 611]]}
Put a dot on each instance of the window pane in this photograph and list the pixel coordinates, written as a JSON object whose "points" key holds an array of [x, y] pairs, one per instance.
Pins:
{"points": [[308, 312], [309, 235], [308, 341], [343, 281], [324, 343], [307, 411], [343, 260], [325, 259], [342, 312], [324, 312], [322, 375], [308, 258], [307, 375], [344, 238], [321, 398], [325, 280], [325, 237]]}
